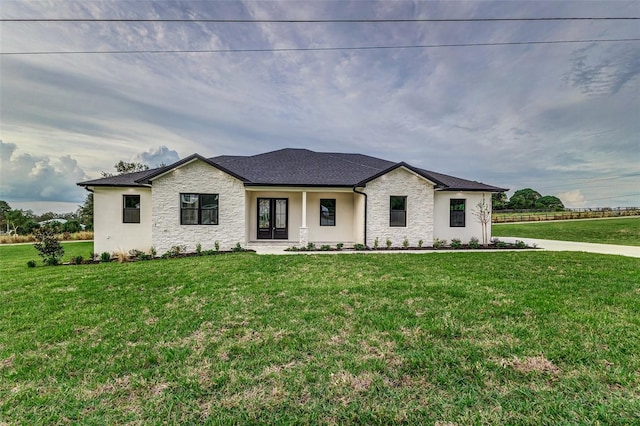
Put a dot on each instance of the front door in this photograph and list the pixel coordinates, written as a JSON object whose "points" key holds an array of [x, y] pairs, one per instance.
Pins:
{"points": [[273, 218]]}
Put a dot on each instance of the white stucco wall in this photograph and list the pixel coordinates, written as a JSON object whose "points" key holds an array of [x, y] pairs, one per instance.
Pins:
{"points": [[472, 228], [197, 177], [420, 198], [343, 231], [110, 233]]}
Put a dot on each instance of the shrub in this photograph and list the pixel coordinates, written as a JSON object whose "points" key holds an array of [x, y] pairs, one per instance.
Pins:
{"points": [[325, 247], [521, 244], [31, 264], [420, 243], [76, 260], [456, 243], [237, 248], [153, 252], [92, 256], [121, 256], [311, 246], [388, 243], [405, 243], [105, 256], [217, 246], [474, 243], [438, 243], [49, 248], [339, 246], [198, 249], [135, 254], [209, 252], [359, 246], [376, 244]]}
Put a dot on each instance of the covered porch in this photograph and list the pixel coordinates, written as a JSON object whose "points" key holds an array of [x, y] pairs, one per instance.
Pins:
{"points": [[296, 216]]}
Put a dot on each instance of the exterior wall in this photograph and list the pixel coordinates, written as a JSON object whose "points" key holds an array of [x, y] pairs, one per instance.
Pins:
{"points": [[471, 229], [343, 231], [197, 177], [420, 195], [110, 233]]}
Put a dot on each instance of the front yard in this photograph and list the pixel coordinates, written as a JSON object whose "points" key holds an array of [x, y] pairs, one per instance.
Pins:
{"points": [[459, 338]]}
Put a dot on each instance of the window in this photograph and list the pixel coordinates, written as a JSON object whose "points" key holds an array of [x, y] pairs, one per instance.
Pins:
{"points": [[327, 212], [398, 211], [198, 209], [456, 218], [131, 210]]}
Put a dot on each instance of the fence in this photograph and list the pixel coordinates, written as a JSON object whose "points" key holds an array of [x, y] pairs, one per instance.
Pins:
{"points": [[506, 216]]}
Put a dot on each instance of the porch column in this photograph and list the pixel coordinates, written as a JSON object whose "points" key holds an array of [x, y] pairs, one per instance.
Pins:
{"points": [[304, 231]]}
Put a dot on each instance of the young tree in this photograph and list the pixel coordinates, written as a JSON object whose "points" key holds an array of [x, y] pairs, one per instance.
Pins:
{"points": [[482, 213], [48, 246]]}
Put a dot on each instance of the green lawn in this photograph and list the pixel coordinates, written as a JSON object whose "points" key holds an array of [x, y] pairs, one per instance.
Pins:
{"points": [[459, 338], [623, 231]]}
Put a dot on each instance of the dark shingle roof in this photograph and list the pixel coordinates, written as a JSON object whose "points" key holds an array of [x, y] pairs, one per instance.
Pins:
{"points": [[300, 167]]}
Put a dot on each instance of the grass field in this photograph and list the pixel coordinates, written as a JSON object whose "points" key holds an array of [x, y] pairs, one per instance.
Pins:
{"points": [[623, 231], [460, 338]]}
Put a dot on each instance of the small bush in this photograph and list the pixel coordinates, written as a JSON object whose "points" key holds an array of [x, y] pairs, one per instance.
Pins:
{"points": [[92, 256], [217, 246], [359, 246], [456, 243], [325, 247], [152, 251], [474, 243], [376, 244], [105, 256], [405, 243], [311, 246], [339, 246], [521, 244], [501, 244], [209, 252], [438, 243], [294, 248], [198, 249], [388, 243], [420, 243], [31, 264], [76, 260], [237, 248], [48, 246]]}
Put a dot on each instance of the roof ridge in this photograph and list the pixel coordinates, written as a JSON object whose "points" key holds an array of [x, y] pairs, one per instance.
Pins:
{"points": [[335, 155]]}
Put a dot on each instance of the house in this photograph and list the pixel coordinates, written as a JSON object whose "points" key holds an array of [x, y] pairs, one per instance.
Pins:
{"points": [[289, 196]]}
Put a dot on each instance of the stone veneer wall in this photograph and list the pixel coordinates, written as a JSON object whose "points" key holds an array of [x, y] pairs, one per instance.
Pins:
{"points": [[420, 198], [197, 177]]}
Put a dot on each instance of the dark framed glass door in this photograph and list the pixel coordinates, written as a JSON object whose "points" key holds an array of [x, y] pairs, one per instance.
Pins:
{"points": [[273, 218]]}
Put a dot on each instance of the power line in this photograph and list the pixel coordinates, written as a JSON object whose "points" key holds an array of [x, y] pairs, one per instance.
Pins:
{"points": [[592, 180], [317, 49], [314, 21]]}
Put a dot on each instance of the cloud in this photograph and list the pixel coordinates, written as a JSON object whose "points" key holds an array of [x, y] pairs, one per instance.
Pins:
{"points": [[154, 157], [35, 178], [572, 198]]}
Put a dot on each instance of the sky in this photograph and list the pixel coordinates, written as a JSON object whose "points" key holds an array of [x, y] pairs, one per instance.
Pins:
{"points": [[562, 118]]}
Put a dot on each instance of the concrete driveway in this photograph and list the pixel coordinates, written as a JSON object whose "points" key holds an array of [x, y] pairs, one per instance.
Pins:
{"points": [[554, 245]]}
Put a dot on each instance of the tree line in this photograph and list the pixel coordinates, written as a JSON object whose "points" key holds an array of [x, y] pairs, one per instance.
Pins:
{"points": [[526, 199]]}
